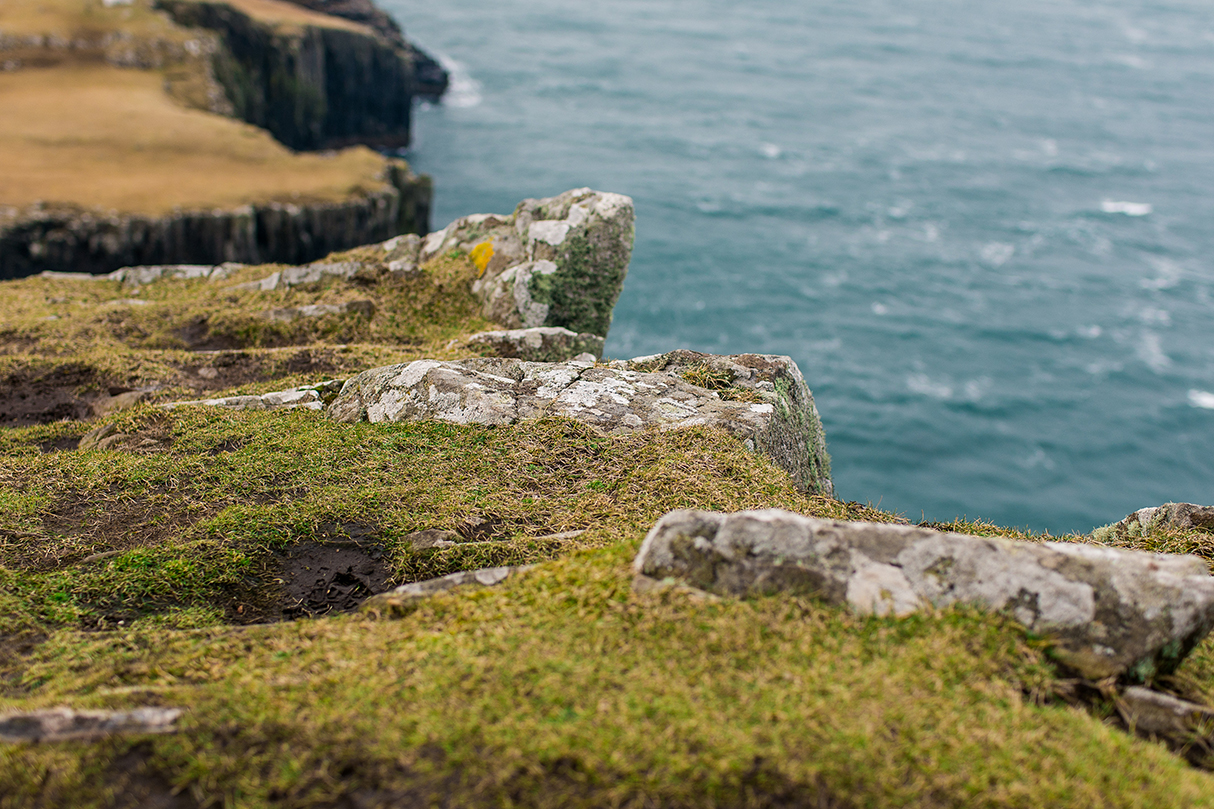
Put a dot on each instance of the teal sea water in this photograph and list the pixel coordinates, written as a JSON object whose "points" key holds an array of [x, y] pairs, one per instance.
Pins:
{"points": [[985, 231]]}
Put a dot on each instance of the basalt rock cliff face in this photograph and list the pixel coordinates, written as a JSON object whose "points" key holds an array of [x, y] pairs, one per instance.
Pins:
{"points": [[429, 78], [64, 238], [311, 87]]}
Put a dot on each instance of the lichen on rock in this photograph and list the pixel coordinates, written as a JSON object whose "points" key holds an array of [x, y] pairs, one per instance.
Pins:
{"points": [[778, 417], [559, 261], [1107, 612]]}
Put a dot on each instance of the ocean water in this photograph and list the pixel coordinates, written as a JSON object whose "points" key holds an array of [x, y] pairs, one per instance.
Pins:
{"points": [[985, 231]]}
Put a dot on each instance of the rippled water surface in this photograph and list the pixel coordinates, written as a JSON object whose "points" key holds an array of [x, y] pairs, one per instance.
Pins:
{"points": [[985, 231]]}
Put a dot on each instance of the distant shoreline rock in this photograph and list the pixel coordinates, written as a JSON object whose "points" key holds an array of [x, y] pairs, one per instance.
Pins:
{"points": [[57, 238]]}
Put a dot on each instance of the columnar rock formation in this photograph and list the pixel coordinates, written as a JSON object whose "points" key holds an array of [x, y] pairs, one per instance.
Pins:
{"points": [[58, 238], [312, 86]]}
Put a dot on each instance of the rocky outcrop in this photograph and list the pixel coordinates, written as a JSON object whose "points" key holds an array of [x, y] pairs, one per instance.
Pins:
{"points": [[559, 261], [64, 238], [761, 399], [1174, 516], [404, 599], [1108, 612], [310, 86], [543, 344]]}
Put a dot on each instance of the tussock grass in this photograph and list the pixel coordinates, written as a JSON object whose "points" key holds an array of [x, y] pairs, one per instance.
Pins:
{"points": [[108, 138]]}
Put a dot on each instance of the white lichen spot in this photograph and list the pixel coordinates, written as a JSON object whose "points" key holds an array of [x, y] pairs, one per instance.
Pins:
{"points": [[880, 589], [549, 231]]}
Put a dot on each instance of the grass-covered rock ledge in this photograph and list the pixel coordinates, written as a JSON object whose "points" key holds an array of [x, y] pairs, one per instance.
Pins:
{"points": [[212, 561]]}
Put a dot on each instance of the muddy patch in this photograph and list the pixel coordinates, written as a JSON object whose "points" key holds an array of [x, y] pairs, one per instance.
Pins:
{"points": [[33, 398], [221, 370], [321, 578]]}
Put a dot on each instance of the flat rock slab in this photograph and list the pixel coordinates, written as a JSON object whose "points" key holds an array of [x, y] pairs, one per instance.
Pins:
{"points": [[404, 599], [759, 398], [306, 397], [64, 724], [1109, 612]]}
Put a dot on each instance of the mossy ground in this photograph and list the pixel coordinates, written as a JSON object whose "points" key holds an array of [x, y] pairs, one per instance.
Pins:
{"points": [[156, 572], [65, 343], [560, 688]]}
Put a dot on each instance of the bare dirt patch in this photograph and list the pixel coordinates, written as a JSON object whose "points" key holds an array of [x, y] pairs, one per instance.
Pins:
{"points": [[31, 398], [320, 578]]}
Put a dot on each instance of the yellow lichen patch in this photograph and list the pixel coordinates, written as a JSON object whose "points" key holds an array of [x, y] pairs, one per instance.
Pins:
{"points": [[481, 255]]}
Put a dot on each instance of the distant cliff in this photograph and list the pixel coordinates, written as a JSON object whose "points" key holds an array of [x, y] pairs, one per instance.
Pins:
{"points": [[429, 79], [315, 87], [78, 240]]}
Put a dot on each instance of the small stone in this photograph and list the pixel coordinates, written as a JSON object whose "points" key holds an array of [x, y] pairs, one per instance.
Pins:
{"points": [[405, 599], [122, 401], [1154, 714], [93, 437], [307, 397], [431, 539], [543, 344], [64, 724], [1176, 516]]}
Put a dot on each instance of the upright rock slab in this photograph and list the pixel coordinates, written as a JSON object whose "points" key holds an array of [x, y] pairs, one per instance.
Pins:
{"points": [[1109, 612], [559, 261], [759, 398]]}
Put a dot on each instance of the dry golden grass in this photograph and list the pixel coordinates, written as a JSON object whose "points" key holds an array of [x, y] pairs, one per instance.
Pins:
{"points": [[110, 138], [73, 18], [289, 14]]}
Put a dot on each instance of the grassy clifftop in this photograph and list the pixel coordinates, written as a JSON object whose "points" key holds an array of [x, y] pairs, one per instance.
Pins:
{"points": [[207, 559]]}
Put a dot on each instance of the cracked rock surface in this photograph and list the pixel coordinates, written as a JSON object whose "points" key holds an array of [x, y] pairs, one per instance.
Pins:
{"points": [[762, 399], [541, 344], [1109, 612]]}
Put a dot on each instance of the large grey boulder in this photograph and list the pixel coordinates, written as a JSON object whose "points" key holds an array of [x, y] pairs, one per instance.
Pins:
{"points": [[1109, 612], [559, 261], [760, 398]]}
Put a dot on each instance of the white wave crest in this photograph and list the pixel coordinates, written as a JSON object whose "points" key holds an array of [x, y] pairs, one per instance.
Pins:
{"points": [[463, 91], [926, 386], [1127, 208], [1201, 398]]}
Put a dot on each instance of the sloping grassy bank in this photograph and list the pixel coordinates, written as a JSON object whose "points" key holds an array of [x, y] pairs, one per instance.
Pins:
{"points": [[127, 573], [65, 343]]}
